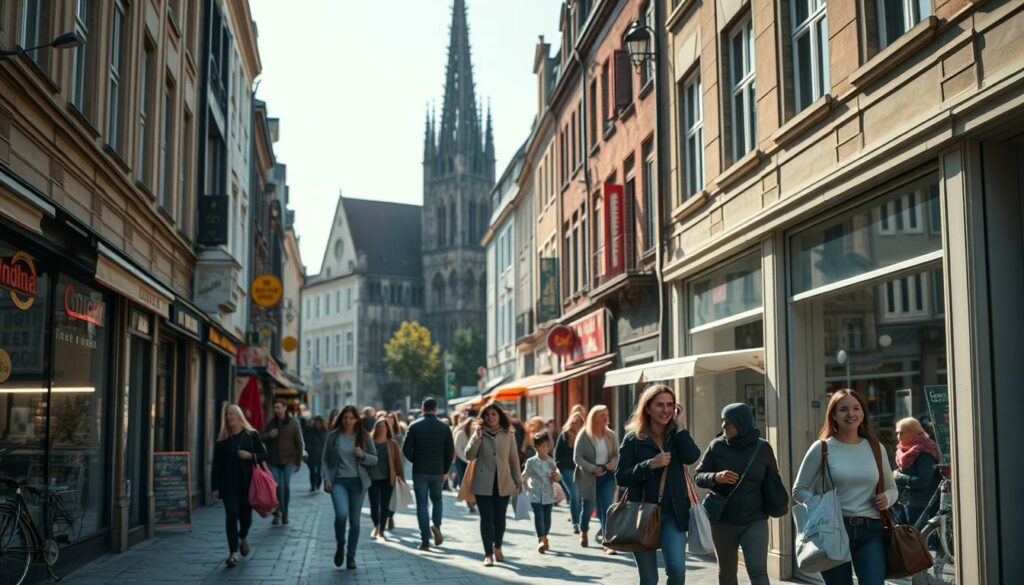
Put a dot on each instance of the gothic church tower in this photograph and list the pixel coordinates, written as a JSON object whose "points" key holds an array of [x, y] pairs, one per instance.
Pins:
{"points": [[458, 175]]}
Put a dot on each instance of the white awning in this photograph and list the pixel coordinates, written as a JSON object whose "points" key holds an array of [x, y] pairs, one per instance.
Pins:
{"points": [[687, 367]]}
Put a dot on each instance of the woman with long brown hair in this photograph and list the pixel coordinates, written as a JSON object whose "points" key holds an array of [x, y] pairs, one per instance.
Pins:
{"points": [[657, 442], [851, 447], [564, 446], [495, 475], [348, 454], [596, 454], [238, 448], [383, 475]]}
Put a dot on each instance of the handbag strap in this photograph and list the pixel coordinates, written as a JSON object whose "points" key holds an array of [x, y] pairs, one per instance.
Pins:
{"points": [[690, 488], [886, 515], [749, 463], [826, 471]]}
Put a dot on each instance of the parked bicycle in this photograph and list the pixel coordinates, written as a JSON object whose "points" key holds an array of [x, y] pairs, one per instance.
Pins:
{"points": [[938, 534], [22, 543]]}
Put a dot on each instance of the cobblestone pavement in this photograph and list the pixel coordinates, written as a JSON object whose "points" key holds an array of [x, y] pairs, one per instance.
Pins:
{"points": [[302, 552]]}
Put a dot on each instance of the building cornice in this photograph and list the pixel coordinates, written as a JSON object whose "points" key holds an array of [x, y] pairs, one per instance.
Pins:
{"points": [[245, 31]]}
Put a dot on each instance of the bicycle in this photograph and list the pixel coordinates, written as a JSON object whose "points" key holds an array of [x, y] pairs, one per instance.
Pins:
{"points": [[21, 541], [937, 531]]}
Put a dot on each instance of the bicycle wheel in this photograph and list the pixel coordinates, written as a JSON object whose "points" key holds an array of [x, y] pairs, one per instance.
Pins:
{"points": [[15, 548], [944, 570]]}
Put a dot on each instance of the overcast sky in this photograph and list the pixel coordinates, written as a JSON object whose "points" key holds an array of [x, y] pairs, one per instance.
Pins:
{"points": [[351, 81]]}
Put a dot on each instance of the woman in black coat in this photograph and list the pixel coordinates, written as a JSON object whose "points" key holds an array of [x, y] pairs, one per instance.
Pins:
{"points": [[238, 448], [314, 435], [744, 519], [656, 443]]}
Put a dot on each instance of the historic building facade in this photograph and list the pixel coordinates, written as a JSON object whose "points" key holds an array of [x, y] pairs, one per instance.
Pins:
{"points": [[458, 175]]}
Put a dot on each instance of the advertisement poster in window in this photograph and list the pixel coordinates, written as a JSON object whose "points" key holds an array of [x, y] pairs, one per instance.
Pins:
{"points": [[938, 409]]}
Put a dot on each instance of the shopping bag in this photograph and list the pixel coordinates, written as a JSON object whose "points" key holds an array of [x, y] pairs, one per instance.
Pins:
{"points": [[698, 537], [262, 490], [466, 487], [559, 492], [401, 496], [522, 506], [821, 539]]}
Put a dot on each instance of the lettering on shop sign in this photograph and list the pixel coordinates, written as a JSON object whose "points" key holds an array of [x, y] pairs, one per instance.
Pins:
{"points": [[220, 341], [614, 229], [65, 335], [187, 322], [5, 365], [590, 337], [18, 276], [172, 488], [83, 307], [22, 335]]}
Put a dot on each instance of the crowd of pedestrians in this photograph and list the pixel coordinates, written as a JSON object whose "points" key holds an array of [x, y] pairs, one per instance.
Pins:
{"points": [[491, 459]]}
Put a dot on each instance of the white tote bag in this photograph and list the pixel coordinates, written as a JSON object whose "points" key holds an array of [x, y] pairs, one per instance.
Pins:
{"points": [[401, 495], [698, 538], [522, 506], [821, 539]]}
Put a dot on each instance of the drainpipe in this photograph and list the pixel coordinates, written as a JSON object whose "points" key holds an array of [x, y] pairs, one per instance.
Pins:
{"points": [[660, 106]]}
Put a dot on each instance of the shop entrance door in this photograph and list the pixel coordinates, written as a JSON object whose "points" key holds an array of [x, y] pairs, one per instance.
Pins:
{"points": [[138, 422]]}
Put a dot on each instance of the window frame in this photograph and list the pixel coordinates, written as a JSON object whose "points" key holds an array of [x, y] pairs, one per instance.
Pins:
{"points": [[745, 87], [912, 15], [115, 65], [811, 26], [693, 135]]}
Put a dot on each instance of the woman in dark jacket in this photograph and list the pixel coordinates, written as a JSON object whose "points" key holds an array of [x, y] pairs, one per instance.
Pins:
{"points": [[567, 466], [744, 521], [656, 443], [916, 474], [314, 434], [238, 448]]}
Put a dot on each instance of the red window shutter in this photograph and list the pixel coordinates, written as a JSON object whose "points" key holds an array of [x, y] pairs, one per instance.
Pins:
{"points": [[623, 80]]}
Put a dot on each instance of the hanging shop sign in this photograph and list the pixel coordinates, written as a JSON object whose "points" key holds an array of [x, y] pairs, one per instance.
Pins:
{"points": [[561, 340], [18, 276], [591, 340], [213, 220], [220, 341], [547, 305], [187, 321], [266, 290], [5, 365], [289, 344], [614, 229]]}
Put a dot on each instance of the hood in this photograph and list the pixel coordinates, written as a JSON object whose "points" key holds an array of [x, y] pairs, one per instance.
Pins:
{"points": [[741, 417]]}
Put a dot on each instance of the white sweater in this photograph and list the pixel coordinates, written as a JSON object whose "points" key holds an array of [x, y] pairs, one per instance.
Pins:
{"points": [[853, 472]]}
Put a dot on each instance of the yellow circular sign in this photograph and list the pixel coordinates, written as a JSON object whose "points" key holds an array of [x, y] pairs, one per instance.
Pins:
{"points": [[289, 344], [5, 365], [266, 290]]}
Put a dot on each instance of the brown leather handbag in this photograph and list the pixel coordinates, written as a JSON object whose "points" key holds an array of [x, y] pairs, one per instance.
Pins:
{"points": [[906, 552], [634, 526]]}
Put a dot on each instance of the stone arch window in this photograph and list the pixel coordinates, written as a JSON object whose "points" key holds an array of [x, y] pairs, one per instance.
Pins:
{"points": [[438, 286], [453, 284], [468, 285], [453, 224], [442, 220], [375, 343], [484, 220], [482, 291], [471, 234]]}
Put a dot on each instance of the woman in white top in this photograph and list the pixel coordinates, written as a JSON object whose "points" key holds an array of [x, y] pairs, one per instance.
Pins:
{"points": [[853, 471], [596, 454]]}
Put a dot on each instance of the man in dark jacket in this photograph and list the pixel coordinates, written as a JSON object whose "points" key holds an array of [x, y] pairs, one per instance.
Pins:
{"points": [[283, 438], [430, 448], [744, 520]]}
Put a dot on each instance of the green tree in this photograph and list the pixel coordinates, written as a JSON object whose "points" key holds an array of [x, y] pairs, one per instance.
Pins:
{"points": [[469, 352], [411, 356]]}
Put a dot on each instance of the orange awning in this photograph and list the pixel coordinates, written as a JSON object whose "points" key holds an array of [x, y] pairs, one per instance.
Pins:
{"points": [[545, 383]]}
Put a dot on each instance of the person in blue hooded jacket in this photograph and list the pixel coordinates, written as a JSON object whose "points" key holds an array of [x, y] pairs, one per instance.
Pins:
{"points": [[744, 520]]}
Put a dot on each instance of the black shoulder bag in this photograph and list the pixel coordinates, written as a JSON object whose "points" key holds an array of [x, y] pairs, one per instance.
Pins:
{"points": [[714, 503]]}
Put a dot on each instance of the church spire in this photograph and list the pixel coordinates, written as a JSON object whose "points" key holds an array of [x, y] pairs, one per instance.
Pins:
{"points": [[489, 144], [460, 123]]}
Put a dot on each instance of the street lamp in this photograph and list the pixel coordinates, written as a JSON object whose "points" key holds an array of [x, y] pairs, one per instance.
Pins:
{"points": [[639, 44], [68, 40], [844, 359]]}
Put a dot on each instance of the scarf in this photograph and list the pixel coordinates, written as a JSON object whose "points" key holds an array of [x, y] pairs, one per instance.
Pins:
{"points": [[906, 456]]}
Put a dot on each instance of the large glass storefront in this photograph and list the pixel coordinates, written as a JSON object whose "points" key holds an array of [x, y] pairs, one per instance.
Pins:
{"points": [[54, 353]]}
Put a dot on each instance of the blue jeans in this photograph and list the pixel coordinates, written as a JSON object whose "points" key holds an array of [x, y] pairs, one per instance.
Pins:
{"points": [[605, 487], [673, 550], [424, 486], [347, 495], [460, 471], [572, 494], [868, 550], [283, 476], [541, 517]]}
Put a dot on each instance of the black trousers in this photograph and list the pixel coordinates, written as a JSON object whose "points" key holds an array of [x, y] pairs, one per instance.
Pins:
{"points": [[315, 478], [492, 519], [380, 501], [238, 515]]}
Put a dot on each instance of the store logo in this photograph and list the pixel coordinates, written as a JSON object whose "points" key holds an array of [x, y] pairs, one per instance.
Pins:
{"points": [[83, 307], [18, 276]]}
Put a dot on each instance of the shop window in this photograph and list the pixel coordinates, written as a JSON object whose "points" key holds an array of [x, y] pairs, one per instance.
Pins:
{"points": [[884, 233], [727, 292]]}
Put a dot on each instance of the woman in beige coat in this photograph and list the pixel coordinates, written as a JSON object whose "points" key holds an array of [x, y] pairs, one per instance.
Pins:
{"points": [[596, 455], [495, 475]]}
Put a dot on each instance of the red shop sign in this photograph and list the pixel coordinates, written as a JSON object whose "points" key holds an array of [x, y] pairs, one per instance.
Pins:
{"points": [[561, 340], [591, 340], [614, 229]]}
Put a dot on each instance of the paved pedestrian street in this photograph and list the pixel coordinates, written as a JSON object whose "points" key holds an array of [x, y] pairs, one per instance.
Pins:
{"points": [[302, 552]]}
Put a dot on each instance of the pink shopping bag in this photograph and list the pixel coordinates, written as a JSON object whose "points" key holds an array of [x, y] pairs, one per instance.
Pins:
{"points": [[262, 490]]}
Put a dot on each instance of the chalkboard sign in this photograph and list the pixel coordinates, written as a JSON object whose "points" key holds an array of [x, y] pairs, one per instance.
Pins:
{"points": [[172, 488], [938, 409]]}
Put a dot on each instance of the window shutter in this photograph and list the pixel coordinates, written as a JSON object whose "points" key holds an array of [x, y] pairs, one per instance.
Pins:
{"points": [[623, 80]]}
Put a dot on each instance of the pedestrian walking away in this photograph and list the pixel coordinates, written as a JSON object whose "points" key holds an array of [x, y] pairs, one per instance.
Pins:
{"points": [[383, 475], [283, 438], [564, 447], [739, 451], [496, 475], [348, 456], [540, 476], [430, 448], [315, 433], [657, 442], [851, 445], [596, 454], [238, 448]]}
